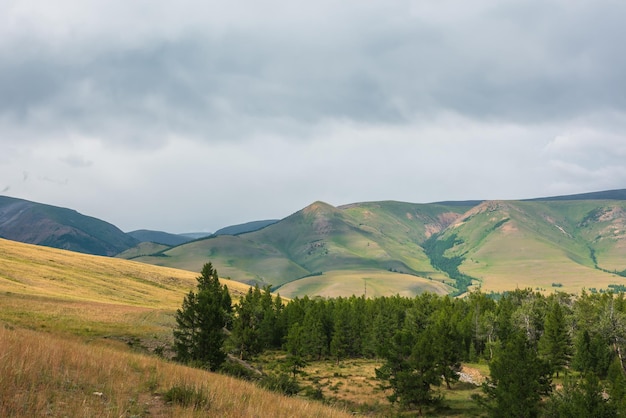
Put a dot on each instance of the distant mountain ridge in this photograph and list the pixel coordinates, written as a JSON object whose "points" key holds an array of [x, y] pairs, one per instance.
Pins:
{"points": [[376, 248], [376, 240], [159, 237], [52, 226], [245, 227], [617, 194], [557, 243]]}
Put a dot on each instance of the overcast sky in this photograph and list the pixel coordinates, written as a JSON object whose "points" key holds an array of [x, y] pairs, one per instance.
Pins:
{"points": [[193, 115]]}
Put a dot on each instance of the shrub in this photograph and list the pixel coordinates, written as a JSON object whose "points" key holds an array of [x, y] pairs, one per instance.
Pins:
{"points": [[187, 395], [314, 393], [281, 383], [235, 369]]}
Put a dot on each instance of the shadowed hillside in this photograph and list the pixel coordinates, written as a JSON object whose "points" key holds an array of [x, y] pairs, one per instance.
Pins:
{"points": [[51, 226], [159, 237]]}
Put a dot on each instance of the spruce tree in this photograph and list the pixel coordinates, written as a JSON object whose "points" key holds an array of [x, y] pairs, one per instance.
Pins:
{"points": [[246, 336], [519, 378], [409, 369], [555, 343], [199, 333]]}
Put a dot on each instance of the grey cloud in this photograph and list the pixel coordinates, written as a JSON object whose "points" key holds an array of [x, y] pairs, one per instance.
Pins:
{"points": [[516, 99], [521, 62]]}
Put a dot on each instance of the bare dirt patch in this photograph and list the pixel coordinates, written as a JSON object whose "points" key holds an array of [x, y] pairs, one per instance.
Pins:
{"points": [[471, 375]]}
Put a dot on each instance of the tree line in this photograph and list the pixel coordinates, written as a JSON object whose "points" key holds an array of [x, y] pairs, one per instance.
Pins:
{"points": [[526, 337]]}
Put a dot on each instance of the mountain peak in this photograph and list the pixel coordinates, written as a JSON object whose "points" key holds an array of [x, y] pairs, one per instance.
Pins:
{"points": [[485, 207], [319, 207]]}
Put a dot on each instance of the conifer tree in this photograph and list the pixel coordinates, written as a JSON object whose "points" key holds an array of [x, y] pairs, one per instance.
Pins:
{"points": [[555, 343], [316, 339], [410, 369], [199, 333], [518, 380], [295, 360], [580, 397], [446, 341], [246, 335], [340, 341]]}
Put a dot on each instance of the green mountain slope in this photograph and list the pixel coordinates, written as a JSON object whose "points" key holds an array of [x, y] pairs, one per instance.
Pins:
{"points": [[541, 244], [380, 240], [380, 248], [245, 227], [396, 247]]}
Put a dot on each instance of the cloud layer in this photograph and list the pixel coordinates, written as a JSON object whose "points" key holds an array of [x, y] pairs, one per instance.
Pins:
{"points": [[200, 114]]}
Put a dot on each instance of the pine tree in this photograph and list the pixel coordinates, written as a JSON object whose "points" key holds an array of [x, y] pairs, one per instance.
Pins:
{"points": [[555, 343], [582, 397], [518, 380], [245, 334], [340, 341], [316, 339], [295, 360], [199, 333], [410, 369], [593, 354], [446, 341]]}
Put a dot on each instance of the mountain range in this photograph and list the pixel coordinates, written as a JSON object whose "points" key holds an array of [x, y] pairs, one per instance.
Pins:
{"points": [[52, 226], [376, 248]]}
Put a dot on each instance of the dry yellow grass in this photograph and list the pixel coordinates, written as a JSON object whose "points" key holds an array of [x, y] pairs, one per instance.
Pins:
{"points": [[357, 282], [82, 312], [42, 271], [72, 293], [45, 375], [353, 383]]}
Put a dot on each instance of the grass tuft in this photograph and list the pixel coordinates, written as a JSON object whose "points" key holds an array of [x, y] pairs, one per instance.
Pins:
{"points": [[187, 396]]}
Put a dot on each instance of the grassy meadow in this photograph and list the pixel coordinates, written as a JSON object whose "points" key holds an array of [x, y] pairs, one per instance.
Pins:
{"points": [[373, 282], [351, 384], [47, 272], [76, 332], [96, 297], [80, 336], [512, 258], [46, 375]]}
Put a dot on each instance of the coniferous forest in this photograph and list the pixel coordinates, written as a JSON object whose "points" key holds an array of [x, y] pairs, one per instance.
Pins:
{"points": [[528, 339]]}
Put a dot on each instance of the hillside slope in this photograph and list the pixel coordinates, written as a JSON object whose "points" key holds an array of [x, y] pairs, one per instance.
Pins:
{"points": [[245, 227], [380, 239], [92, 296], [396, 247], [565, 242], [561, 244], [72, 327], [58, 275], [52, 226]]}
